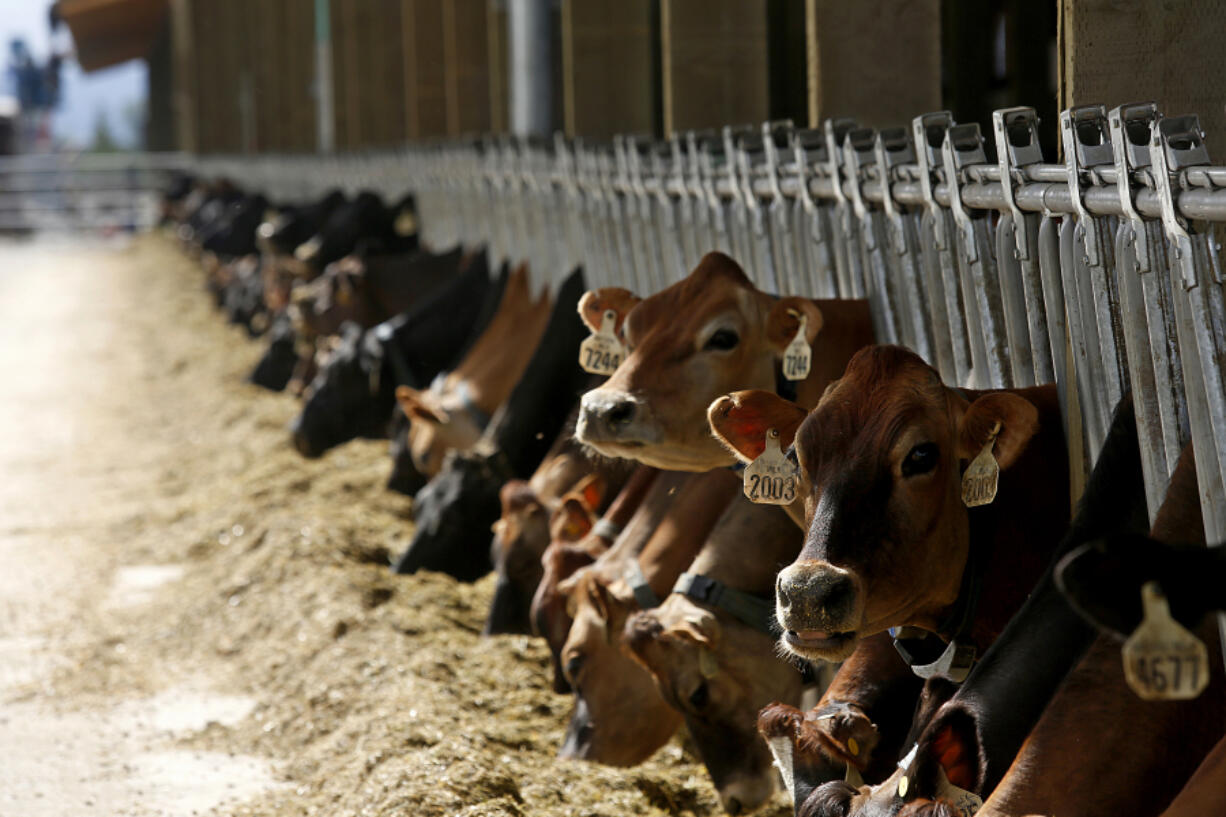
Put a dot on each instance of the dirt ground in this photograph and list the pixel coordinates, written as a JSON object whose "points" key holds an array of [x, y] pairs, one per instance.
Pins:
{"points": [[195, 620]]}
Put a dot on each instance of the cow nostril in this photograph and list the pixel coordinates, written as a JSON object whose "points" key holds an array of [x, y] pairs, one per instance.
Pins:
{"points": [[733, 806], [620, 413], [781, 594]]}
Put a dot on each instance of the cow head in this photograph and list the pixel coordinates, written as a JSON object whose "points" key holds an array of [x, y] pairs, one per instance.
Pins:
{"points": [[887, 535], [452, 516], [548, 612], [701, 337], [529, 521], [404, 478], [718, 673], [351, 396], [619, 717], [319, 307], [438, 423]]}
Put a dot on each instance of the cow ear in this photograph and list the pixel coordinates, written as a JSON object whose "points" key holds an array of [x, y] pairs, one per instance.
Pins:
{"points": [[413, 403], [740, 421], [595, 302], [1018, 419], [689, 622], [571, 521], [784, 320], [591, 490]]}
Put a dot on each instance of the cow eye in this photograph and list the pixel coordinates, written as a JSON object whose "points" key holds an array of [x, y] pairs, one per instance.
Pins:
{"points": [[700, 696], [723, 340], [920, 460], [573, 667]]}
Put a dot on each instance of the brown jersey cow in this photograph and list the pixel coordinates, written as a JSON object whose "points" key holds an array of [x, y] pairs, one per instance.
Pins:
{"points": [[889, 542], [619, 716], [452, 414], [704, 336], [563, 558], [710, 649]]}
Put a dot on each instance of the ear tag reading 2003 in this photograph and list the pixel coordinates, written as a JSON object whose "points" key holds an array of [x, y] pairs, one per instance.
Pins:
{"points": [[1162, 660], [771, 478], [797, 357], [602, 352], [982, 476]]}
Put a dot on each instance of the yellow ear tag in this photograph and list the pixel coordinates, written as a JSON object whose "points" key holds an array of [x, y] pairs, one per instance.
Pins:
{"points": [[903, 785], [1162, 660], [707, 664], [771, 478], [602, 352], [405, 224], [797, 357], [852, 776], [965, 803], [982, 476]]}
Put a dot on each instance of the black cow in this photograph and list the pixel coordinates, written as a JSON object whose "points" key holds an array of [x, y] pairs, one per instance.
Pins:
{"points": [[276, 367], [232, 234], [296, 224], [354, 393], [455, 510]]}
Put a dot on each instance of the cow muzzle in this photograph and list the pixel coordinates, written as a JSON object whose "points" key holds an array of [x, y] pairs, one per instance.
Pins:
{"points": [[819, 608], [613, 417]]}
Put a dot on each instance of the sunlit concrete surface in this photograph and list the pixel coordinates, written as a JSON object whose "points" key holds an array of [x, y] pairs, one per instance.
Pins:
{"points": [[64, 366]]}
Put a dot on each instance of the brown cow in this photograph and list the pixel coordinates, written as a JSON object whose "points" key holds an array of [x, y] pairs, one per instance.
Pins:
{"points": [[369, 289], [1166, 740], [714, 660], [1204, 795], [889, 542], [619, 716], [562, 558], [704, 336], [557, 504], [451, 414]]}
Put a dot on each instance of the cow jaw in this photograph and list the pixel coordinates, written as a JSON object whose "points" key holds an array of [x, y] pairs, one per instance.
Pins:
{"points": [[618, 424]]}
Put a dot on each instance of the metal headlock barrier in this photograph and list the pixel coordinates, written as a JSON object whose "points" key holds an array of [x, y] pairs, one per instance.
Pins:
{"points": [[73, 192], [1101, 274]]}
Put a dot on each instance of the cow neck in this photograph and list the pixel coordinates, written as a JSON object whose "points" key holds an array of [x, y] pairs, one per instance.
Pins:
{"points": [[402, 372], [548, 388], [846, 328], [622, 509], [1009, 558], [724, 575], [684, 529]]}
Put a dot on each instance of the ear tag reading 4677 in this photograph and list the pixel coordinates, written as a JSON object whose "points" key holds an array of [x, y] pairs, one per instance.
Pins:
{"points": [[602, 352], [982, 476], [1162, 660], [771, 478], [797, 357]]}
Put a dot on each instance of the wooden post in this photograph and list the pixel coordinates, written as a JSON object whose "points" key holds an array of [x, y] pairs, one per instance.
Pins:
{"points": [[1117, 51], [608, 82], [500, 95], [185, 101], [425, 103], [876, 60], [714, 63], [466, 66]]}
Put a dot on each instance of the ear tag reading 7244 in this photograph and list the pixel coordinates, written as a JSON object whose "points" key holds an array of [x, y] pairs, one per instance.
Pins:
{"points": [[798, 357], [1162, 660], [982, 476], [602, 352], [771, 478]]}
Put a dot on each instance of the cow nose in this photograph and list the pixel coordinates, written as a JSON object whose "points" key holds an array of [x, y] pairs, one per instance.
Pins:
{"points": [[607, 412], [809, 592]]}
